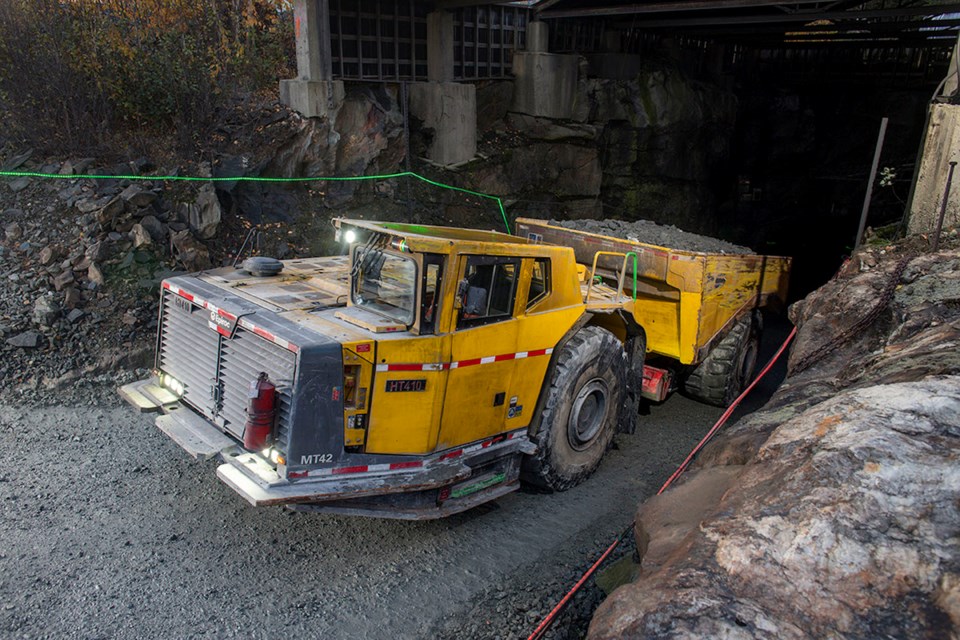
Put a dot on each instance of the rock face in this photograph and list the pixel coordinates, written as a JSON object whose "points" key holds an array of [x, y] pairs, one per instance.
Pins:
{"points": [[645, 147], [835, 511]]}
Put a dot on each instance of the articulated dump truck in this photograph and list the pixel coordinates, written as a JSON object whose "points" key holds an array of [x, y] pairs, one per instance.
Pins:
{"points": [[431, 369]]}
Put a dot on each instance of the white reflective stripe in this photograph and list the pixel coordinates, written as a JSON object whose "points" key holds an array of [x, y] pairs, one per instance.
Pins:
{"points": [[522, 354], [381, 368], [488, 360]]}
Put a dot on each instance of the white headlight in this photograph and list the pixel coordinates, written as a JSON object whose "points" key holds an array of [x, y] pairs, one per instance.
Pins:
{"points": [[350, 236]]}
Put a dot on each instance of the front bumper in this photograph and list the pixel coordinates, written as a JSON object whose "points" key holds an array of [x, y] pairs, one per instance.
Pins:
{"points": [[260, 484]]}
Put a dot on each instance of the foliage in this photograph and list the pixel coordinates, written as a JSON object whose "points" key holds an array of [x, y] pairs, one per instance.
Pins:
{"points": [[74, 72]]}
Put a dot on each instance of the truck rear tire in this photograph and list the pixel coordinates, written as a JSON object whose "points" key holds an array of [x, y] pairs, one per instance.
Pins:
{"points": [[582, 409], [727, 370]]}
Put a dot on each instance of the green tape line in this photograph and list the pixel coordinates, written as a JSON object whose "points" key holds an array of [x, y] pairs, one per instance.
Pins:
{"points": [[386, 176]]}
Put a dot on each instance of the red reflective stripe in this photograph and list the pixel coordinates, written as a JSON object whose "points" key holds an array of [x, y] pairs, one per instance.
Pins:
{"points": [[229, 316], [467, 363], [505, 356], [184, 294], [297, 474], [406, 367], [537, 352], [452, 454], [341, 470], [263, 334], [406, 465]]}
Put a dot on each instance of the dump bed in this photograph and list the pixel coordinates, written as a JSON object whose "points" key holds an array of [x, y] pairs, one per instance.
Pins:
{"points": [[686, 301]]}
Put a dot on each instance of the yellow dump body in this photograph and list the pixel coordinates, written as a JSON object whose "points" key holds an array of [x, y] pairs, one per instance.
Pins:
{"points": [[686, 301]]}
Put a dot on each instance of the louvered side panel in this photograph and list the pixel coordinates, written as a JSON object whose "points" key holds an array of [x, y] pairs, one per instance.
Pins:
{"points": [[188, 351], [242, 360]]}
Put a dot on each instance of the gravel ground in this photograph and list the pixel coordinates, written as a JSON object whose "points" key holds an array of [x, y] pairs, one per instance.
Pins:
{"points": [[652, 233], [110, 530]]}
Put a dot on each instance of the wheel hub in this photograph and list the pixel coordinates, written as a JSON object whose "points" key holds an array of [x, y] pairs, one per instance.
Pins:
{"points": [[588, 413]]}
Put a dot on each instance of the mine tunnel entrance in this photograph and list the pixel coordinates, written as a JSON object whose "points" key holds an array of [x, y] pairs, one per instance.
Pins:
{"points": [[800, 162], [754, 121]]}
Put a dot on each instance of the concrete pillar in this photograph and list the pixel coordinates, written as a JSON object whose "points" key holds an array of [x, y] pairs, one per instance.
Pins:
{"points": [[545, 83], [953, 79], [611, 41], [440, 46], [450, 109], [447, 107], [538, 37], [941, 144], [313, 92]]}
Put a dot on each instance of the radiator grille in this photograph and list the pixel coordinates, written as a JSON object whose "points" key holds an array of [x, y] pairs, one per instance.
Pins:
{"points": [[216, 372]]}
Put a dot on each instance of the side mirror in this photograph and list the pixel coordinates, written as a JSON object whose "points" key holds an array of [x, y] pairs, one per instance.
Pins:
{"points": [[462, 287]]}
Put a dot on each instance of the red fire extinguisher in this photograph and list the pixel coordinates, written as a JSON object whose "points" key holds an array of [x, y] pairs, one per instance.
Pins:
{"points": [[260, 412]]}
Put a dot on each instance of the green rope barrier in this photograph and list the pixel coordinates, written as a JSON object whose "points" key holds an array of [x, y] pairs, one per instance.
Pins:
{"points": [[386, 176]]}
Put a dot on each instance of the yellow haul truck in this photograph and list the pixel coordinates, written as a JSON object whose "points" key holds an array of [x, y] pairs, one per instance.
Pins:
{"points": [[430, 368]]}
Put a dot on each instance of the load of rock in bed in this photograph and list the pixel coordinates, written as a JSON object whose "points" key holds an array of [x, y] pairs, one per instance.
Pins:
{"points": [[649, 232], [835, 511]]}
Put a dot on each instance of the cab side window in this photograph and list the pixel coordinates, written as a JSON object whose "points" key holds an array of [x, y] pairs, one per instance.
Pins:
{"points": [[488, 290], [539, 282], [430, 295]]}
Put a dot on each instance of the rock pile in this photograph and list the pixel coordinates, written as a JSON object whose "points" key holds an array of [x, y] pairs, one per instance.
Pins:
{"points": [[80, 263], [835, 511]]}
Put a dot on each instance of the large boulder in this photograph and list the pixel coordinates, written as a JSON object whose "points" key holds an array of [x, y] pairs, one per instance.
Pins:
{"points": [[835, 511]]}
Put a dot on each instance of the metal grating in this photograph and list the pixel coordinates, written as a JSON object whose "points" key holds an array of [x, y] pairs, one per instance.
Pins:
{"points": [[387, 41], [378, 40], [485, 38], [203, 361], [241, 361]]}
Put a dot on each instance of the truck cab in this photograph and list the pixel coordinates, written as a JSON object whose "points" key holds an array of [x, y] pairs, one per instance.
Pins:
{"points": [[399, 368]]}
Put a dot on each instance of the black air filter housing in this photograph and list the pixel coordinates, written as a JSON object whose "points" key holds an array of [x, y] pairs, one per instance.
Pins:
{"points": [[262, 267]]}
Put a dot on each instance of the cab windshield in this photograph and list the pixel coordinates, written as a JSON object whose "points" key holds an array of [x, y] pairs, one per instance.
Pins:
{"points": [[385, 283]]}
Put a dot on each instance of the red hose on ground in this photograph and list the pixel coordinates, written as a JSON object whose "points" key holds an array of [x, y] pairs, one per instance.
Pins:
{"points": [[549, 619], [726, 414]]}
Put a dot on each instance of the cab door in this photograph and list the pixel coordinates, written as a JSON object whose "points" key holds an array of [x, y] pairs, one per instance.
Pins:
{"points": [[478, 401]]}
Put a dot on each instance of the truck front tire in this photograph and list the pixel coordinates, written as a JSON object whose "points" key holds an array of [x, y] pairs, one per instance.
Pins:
{"points": [[727, 370], [581, 411]]}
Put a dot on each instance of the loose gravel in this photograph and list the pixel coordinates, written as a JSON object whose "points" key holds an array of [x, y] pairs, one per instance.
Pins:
{"points": [[657, 234], [110, 531]]}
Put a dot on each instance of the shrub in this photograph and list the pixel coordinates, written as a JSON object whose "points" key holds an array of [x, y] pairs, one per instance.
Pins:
{"points": [[74, 72]]}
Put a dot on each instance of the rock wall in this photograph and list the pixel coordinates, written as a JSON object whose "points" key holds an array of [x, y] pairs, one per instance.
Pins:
{"points": [[835, 511], [646, 148]]}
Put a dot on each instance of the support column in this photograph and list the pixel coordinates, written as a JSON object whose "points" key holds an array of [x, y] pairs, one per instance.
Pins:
{"points": [[611, 63], [546, 83], [447, 107], [940, 145], [313, 92]]}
